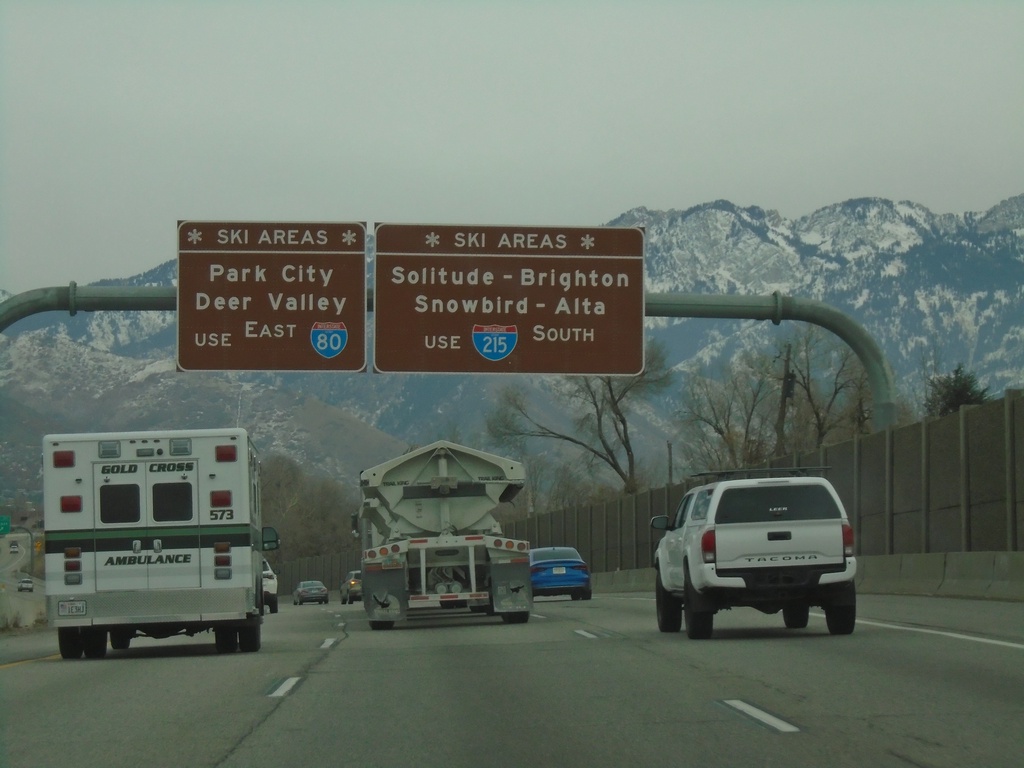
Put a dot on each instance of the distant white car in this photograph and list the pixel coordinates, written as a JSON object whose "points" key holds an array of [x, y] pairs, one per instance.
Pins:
{"points": [[26, 585], [15, 547]]}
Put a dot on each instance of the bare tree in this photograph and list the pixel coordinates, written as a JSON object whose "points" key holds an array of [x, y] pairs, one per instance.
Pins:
{"points": [[832, 397], [598, 410], [728, 422], [312, 514]]}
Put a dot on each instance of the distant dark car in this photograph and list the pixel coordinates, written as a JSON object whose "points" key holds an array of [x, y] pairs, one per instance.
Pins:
{"points": [[26, 585], [309, 592], [559, 571], [352, 587]]}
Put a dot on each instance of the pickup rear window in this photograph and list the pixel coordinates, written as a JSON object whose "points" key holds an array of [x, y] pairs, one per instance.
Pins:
{"points": [[768, 504]]}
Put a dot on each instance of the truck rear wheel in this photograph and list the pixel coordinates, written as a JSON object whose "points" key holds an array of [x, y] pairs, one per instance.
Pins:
{"points": [[69, 640], [121, 639], [226, 640], [668, 608], [94, 643], [381, 624], [249, 639]]}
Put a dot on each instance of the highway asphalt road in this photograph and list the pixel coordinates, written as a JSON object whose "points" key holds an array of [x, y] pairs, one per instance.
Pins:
{"points": [[921, 682]]}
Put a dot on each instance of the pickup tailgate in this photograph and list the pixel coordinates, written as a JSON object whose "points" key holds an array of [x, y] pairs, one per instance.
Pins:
{"points": [[790, 542], [771, 524]]}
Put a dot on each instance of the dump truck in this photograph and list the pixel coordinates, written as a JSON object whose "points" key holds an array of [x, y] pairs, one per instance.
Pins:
{"points": [[431, 541]]}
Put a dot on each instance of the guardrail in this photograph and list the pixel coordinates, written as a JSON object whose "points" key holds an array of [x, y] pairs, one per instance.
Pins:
{"points": [[978, 575]]}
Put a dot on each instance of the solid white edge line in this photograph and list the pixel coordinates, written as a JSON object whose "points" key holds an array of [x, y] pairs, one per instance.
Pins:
{"points": [[939, 632], [761, 716], [942, 633], [286, 686]]}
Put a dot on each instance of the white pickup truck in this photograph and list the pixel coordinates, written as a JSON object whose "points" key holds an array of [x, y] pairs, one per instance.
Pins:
{"points": [[770, 543]]}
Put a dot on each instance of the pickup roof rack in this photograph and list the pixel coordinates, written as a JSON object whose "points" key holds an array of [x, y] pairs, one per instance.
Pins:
{"points": [[744, 474]]}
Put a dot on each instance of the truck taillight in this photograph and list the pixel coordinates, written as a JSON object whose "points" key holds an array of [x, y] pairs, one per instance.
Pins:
{"points": [[70, 503], [63, 459], [847, 540], [222, 560], [226, 452], [708, 546], [72, 565], [220, 498]]}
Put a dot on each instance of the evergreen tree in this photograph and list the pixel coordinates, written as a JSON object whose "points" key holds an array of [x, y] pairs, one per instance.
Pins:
{"points": [[946, 393]]}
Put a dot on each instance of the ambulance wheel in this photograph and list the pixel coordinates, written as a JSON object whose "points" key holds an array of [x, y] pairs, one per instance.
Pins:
{"points": [[516, 617], [381, 624], [69, 640], [120, 641], [249, 639], [94, 643], [226, 640]]}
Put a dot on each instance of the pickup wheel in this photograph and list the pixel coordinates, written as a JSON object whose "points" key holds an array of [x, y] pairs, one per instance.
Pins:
{"points": [[795, 616], [840, 619], [699, 624], [271, 601], [669, 608]]}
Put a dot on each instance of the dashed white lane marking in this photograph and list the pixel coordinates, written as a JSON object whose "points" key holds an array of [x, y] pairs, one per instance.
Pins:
{"points": [[761, 716], [283, 688], [584, 633], [329, 642]]}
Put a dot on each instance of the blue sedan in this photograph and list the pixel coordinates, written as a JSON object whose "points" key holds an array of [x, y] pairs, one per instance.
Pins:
{"points": [[559, 571]]}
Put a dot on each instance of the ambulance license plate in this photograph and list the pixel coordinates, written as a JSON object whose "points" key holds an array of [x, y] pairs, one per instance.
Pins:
{"points": [[71, 607]]}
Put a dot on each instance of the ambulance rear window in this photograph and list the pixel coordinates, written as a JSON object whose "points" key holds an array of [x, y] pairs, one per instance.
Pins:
{"points": [[172, 502], [119, 504]]}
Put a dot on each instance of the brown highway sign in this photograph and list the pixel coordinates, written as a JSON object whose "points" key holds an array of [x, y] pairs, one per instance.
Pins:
{"points": [[517, 299], [281, 296]]}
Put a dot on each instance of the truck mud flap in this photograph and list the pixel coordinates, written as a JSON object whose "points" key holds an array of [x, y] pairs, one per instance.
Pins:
{"points": [[385, 597], [510, 587]]}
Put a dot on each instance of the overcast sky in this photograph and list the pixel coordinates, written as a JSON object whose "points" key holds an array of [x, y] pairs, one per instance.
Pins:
{"points": [[119, 118]]}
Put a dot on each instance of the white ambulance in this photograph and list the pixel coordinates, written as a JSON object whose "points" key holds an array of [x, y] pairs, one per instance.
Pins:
{"points": [[153, 534]]}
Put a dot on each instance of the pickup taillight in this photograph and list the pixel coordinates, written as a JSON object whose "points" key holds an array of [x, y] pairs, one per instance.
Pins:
{"points": [[847, 540], [708, 546]]}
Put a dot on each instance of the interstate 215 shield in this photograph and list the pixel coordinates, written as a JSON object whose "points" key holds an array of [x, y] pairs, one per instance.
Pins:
{"points": [[495, 342], [328, 339]]}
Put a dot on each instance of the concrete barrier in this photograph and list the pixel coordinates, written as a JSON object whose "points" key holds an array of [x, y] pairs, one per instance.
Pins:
{"points": [[988, 575], [1007, 576], [878, 574], [922, 574], [968, 574]]}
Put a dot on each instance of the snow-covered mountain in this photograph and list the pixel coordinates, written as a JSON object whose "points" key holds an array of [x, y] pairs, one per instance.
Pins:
{"points": [[932, 289]]}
